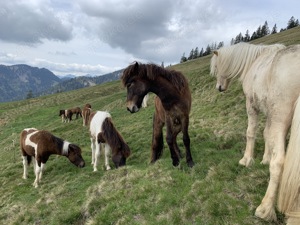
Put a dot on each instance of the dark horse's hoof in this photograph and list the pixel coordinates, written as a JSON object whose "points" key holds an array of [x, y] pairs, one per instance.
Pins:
{"points": [[175, 162], [191, 164]]}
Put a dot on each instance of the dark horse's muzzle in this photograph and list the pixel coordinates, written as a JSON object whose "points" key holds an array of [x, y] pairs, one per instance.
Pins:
{"points": [[81, 164], [134, 109]]}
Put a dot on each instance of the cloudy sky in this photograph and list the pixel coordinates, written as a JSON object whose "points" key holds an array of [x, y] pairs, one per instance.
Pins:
{"points": [[99, 36]]}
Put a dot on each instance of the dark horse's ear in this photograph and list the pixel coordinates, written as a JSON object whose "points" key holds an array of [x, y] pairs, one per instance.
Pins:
{"points": [[136, 65]]}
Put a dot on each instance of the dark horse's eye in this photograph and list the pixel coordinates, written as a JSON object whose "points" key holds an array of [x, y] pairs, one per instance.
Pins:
{"points": [[129, 85]]}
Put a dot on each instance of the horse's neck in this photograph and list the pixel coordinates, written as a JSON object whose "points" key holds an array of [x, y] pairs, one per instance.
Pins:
{"points": [[162, 88]]}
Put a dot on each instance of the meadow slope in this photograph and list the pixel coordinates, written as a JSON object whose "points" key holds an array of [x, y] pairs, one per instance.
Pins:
{"points": [[215, 191]]}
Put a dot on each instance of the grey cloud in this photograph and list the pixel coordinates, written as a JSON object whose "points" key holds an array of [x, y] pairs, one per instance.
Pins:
{"points": [[30, 24], [128, 24], [147, 29]]}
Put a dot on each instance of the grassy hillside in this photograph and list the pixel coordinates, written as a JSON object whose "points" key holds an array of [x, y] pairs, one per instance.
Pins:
{"points": [[215, 191]]}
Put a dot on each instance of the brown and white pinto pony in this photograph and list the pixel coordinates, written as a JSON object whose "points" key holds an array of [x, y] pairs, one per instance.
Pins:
{"points": [[86, 112], [172, 105], [40, 144], [63, 115], [103, 131], [66, 115]]}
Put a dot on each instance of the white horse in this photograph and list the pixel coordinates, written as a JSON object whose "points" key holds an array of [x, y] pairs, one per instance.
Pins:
{"points": [[270, 76], [145, 101]]}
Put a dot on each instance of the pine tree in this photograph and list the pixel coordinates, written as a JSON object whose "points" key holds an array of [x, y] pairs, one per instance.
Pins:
{"points": [[258, 32], [208, 50], [254, 36], [265, 29], [201, 52], [291, 23], [220, 45], [238, 38], [274, 29], [196, 53], [232, 41], [183, 58], [191, 54], [247, 37]]}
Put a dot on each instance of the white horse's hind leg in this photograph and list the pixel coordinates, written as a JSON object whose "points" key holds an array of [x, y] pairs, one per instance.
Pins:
{"points": [[247, 159], [25, 166], [42, 169], [267, 153], [93, 147], [37, 174], [97, 156], [107, 154], [266, 209]]}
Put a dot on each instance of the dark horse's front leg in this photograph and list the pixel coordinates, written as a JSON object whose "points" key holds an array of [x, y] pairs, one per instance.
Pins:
{"points": [[157, 138], [186, 142], [172, 132]]}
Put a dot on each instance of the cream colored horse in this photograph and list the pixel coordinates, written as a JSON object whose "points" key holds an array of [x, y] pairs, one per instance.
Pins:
{"points": [[270, 76]]}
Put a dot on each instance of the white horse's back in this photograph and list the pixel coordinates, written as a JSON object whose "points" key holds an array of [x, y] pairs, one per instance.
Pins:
{"points": [[97, 121]]}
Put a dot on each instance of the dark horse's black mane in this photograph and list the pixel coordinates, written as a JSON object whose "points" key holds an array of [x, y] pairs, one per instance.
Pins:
{"points": [[152, 71]]}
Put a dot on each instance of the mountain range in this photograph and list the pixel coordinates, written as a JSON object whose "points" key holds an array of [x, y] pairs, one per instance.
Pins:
{"points": [[19, 82]]}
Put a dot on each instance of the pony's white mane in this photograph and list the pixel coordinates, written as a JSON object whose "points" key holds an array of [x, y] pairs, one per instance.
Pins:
{"points": [[237, 59], [65, 149]]}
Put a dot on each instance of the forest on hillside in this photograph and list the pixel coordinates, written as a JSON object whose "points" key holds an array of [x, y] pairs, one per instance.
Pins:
{"points": [[261, 31]]}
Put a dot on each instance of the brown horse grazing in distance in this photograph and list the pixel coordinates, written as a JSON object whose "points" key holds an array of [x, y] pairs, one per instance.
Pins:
{"points": [[86, 112], [40, 144], [66, 115], [77, 111], [172, 105]]}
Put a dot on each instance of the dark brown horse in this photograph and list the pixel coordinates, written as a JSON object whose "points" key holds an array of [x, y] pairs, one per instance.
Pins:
{"points": [[172, 105], [76, 111], [40, 144], [86, 112]]}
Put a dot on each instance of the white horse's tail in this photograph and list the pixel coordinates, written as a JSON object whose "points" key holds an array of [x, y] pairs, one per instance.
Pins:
{"points": [[289, 189]]}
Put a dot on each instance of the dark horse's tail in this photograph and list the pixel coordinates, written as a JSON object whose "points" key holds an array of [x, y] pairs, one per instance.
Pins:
{"points": [[110, 135]]}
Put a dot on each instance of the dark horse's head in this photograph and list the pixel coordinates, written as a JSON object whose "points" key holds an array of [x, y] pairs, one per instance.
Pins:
{"points": [[137, 87], [120, 154], [111, 136], [61, 112], [74, 155]]}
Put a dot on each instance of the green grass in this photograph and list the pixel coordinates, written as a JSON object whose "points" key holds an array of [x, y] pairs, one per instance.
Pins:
{"points": [[215, 191]]}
